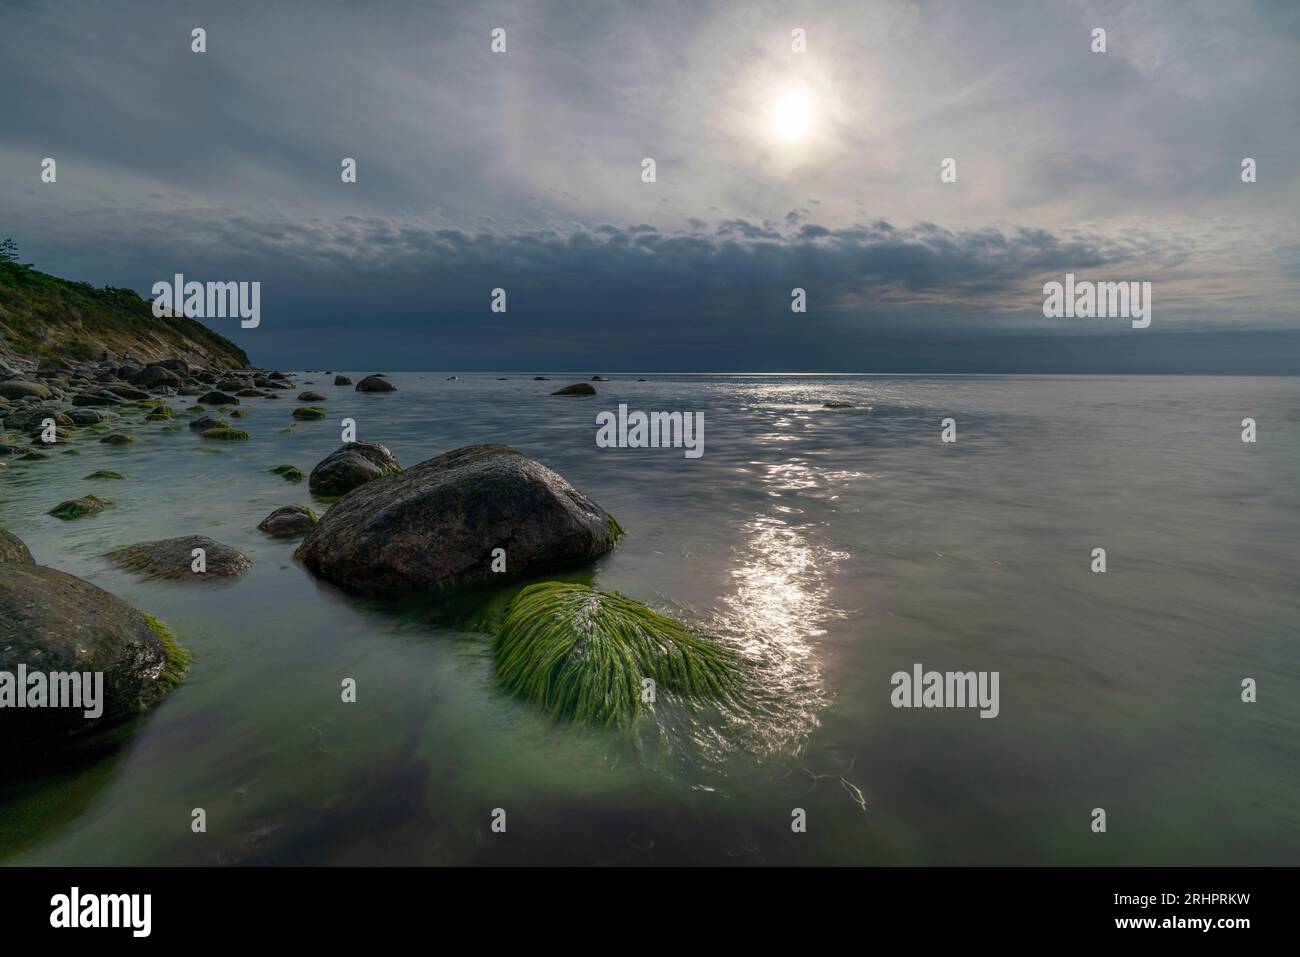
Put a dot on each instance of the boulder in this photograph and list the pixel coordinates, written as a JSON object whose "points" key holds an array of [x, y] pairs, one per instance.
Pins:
{"points": [[351, 465], [217, 398], [95, 399], [578, 388], [288, 521], [375, 383], [21, 388], [205, 422], [157, 375], [78, 507], [311, 397], [342, 380], [13, 549], [173, 558], [436, 525], [55, 623]]}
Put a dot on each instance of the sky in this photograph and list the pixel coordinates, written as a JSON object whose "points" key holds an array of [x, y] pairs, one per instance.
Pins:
{"points": [[775, 169]]}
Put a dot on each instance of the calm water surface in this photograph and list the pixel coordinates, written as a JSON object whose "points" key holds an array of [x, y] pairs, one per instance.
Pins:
{"points": [[834, 547]]}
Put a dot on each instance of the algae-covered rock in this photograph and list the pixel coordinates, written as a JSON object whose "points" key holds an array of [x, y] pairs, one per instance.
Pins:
{"points": [[174, 559], [351, 465], [56, 625]]}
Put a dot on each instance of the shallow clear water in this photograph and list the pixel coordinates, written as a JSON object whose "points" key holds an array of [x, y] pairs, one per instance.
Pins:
{"points": [[834, 547]]}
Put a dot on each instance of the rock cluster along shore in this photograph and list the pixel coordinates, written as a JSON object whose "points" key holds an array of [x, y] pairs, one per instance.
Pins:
{"points": [[482, 514]]}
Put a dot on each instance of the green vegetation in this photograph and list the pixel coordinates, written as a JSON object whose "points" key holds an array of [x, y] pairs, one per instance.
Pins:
{"points": [[581, 655], [228, 434], [178, 659], [309, 412]]}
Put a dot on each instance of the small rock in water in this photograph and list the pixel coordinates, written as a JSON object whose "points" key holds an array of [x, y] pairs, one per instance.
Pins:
{"points": [[77, 507], [352, 465], [289, 521], [578, 388], [217, 398], [118, 438], [311, 397], [308, 412], [206, 422], [342, 380], [290, 473], [174, 558], [375, 383]]}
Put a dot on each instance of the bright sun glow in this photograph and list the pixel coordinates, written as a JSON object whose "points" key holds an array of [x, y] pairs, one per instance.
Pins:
{"points": [[792, 115]]}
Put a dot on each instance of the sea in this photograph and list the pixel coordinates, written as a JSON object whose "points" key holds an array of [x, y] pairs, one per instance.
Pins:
{"points": [[832, 548]]}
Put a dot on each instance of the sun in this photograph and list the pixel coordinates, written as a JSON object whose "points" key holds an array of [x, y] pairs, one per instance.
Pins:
{"points": [[791, 116]]}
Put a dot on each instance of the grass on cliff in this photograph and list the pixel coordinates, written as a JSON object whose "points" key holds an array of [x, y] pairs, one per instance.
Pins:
{"points": [[44, 316]]}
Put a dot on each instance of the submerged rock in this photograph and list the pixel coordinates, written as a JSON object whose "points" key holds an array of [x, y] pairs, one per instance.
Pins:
{"points": [[217, 398], [174, 558], [342, 380], [836, 404], [375, 383], [53, 622], [290, 473], [289, 521], [352, 465], [118, 438], [205, 422], [437, 524], [308, 412], [14, 549], [578, 388], [225, 434], [311, 397], [77, 507]]}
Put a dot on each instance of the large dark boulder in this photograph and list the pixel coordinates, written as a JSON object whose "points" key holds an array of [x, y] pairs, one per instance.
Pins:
{"points": [[351, 465], [217, 398], [437, 524], [53, 622], [375, 383]]}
